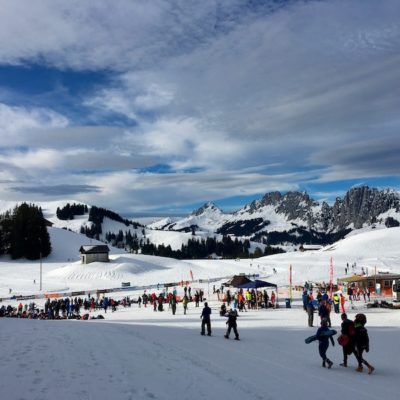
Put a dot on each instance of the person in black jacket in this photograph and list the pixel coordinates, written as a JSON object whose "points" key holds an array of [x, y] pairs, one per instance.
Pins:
{"points": [[206, 319], [348, 330], [362, 342], [232, 316]]}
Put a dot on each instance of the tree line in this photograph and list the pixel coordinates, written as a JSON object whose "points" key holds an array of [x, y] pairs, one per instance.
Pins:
{"points": [[70, 210], [194, 249], [23, 233]]}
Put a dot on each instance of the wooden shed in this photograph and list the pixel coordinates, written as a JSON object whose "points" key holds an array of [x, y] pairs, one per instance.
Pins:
{"points": [[94, 253]]}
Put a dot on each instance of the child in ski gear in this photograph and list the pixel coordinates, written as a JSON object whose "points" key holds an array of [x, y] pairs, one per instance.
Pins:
{"points": [[362, 342], [232, 316], [206, 319], [324, 343], [348, 330]]}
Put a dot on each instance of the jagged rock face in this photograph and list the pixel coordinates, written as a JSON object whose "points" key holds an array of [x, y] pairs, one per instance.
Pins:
{"points": [[295, 218], [362, 205], [204, 208], [296, 205]]}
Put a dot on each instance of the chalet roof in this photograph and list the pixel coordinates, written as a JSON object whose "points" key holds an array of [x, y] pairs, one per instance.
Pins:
{"points": [[94, 249], [237, 280], [362, 278]]}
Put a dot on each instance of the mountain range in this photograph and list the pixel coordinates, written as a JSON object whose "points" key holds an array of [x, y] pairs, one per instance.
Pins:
{"points": [[284, 220]]}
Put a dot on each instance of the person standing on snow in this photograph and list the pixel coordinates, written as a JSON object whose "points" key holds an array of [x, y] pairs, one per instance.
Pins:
{"points": [[232, 324], [362, 342], [336, 301], [324, 343], [172, 303], [206, 319], [310, 312], [342, 301], [185, 302], [348, 330]]}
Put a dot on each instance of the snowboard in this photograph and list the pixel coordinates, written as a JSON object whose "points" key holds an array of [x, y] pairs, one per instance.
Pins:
{"points": [[327, 333]]}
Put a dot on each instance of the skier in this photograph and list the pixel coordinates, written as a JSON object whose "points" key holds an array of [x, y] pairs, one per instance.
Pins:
{"points": [[362, 342], [324, 343], [206, 319], [232, 316], [349, 331]]}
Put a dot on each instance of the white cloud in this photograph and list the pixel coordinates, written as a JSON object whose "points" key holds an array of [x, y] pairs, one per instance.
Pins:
{"points": [[209, 86]]}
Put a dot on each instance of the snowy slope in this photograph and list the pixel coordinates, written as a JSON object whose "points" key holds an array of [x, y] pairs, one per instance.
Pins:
{"points": [[139, 354]]}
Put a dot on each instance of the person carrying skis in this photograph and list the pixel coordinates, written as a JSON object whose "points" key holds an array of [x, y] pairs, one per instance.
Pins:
{"points": [[362, 342], [232, 324], [324, 343], [206, 319], [348, 330]]}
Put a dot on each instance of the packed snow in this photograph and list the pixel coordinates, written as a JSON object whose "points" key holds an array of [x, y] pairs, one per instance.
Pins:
{"points": [[136, 353]]}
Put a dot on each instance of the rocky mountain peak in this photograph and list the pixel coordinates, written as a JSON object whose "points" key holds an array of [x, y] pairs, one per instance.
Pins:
{"points": [[206, 207]]}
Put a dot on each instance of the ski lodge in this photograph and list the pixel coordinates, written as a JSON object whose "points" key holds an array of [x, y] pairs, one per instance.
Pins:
{"points": [[91, 254], [381, 284]]}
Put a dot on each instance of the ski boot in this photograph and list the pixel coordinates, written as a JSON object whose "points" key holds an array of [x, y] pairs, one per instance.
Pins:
{"points": [[359, 368], [323, 364], [330, 363], [237, 338], [226, 336], [343, 364]]}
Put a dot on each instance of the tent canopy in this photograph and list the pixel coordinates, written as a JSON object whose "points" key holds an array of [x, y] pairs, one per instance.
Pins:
{"points": [[237, 280], [256, 284]]}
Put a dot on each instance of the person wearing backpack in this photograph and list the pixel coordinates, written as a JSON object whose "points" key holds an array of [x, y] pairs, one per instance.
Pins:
{"points": [[348, 338], [362, 342]]}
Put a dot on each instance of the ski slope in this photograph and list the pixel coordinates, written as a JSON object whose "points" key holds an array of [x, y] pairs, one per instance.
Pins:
{"points": [[136, 353]]}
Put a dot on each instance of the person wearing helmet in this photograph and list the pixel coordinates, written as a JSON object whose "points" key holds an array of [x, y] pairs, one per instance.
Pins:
{"points": [[361, 342]]}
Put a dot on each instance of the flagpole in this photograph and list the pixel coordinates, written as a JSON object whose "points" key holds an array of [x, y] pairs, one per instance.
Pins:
{"points": [[331, 277]]}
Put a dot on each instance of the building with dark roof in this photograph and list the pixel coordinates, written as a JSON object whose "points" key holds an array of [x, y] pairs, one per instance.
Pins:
{"points": [[94, 253]]}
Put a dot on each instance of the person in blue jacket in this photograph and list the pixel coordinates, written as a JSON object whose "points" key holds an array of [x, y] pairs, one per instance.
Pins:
{"points": [[324, 343], [206, 319]]}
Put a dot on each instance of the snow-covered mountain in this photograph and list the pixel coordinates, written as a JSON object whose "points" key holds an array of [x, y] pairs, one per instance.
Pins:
{"points": [[295, 218], [285, 220]]}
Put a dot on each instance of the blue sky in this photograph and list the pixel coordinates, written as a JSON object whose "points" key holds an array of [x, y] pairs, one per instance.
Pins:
{"points": [[161, 106]]}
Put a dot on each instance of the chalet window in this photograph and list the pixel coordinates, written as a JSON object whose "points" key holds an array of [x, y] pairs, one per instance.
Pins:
{"points": [[386, 284], [370, 284]]}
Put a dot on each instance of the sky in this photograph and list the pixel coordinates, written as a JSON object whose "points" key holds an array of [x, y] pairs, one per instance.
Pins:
{"points": [[161, 106]]}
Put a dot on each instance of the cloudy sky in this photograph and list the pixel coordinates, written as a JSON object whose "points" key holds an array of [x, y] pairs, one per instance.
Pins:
{"points": [[159, 106]]}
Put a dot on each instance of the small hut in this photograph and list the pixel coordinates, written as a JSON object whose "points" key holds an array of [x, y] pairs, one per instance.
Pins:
{"points": [[94, 253]]}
